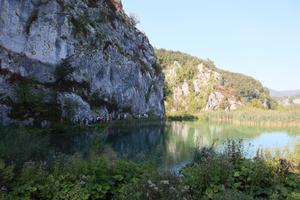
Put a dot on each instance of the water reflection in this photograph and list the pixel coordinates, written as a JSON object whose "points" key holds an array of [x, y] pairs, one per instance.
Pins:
{"points": [[168, 145], [171, 145], [19, 145], [142, 143]]}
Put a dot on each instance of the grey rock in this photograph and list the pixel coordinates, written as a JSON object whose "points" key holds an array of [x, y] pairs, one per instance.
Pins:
{"points": [[296, 101], [5, 120], [214, 101], [111, 63], [75, 108]]}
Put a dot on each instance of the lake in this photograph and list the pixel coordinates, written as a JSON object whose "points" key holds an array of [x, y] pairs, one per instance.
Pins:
{"points": [[168, 145], [171, 145]]}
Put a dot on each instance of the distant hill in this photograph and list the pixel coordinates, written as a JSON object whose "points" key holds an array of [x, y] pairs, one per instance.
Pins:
{"points": [[193, 84], [276, 93]]}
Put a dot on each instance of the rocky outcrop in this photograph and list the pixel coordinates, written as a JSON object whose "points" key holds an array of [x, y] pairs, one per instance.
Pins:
{"points": [[296, 101], [214, 101], [288, 100], [83, 51]]}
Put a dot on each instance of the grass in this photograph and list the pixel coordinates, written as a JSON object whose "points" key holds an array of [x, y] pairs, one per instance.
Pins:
{"points": [[288, 116], [282, 117]]}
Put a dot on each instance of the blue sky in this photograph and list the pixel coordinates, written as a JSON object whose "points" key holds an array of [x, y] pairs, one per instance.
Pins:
{"points": [[260, 38]]}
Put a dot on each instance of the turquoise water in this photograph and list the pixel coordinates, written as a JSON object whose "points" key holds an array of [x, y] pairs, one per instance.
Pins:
{"points": [[171, 145], [167, 145]]}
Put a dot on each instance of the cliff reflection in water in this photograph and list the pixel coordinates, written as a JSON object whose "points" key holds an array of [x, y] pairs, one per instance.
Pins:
{"points": [[168, 145], [172, 144]]}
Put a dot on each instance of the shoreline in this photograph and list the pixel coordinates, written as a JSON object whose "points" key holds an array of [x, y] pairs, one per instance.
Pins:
{"points": [[289, 117]]}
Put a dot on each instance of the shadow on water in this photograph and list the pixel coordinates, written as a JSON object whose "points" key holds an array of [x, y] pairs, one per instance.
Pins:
{"points": [[20, 145]]}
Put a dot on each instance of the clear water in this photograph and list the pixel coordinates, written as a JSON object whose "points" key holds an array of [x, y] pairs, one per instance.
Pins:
{"points": [[168, 145], [171, 145]]}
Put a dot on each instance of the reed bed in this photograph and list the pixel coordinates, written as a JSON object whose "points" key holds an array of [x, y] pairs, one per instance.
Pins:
{"points": [[284, 117]]}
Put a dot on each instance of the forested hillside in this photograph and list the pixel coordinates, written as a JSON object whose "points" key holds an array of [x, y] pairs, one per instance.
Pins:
{"points": [[193, 84]]}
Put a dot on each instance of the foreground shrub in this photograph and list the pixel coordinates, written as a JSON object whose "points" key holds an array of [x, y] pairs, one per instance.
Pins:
{"points": [[220, 174], [212, 175], [154, 186], [75, 179]]}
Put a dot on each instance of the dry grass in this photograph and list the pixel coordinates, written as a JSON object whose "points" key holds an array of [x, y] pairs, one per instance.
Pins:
{"points": [[282, 117]]}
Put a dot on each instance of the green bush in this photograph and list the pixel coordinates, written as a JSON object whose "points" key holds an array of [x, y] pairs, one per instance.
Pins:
{"points": [[212, 175], [32, 103], [255, 103], [244, 86], [75, 179], [232, 195], [63, 70], [155, 185]]}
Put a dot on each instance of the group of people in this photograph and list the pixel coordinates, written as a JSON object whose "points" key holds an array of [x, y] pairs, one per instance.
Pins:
{"points": [[105, 118], [109, 117], [98, 119]]}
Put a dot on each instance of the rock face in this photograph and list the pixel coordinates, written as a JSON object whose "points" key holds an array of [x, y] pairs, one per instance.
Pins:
{"points": [[86, 51], [214, 101]]}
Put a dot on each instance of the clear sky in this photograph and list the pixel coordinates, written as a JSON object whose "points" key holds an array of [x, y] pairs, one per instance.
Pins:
{"points": [[260, 38]]}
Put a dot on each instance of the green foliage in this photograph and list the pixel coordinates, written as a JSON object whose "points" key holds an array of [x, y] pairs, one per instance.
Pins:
{"points": [[215, 175], [63, 70], [92, 3], [182, 118], [164, 186], [255, 103], [246, 88], [208, 178], [243, 88], [95, 178], [232, 195], [158, 69], [224, 104], [64, 5], [189, 64], [228, 175], [6, 173], [211, 175], [167, 91], [31, 103], [185, 73], [166, 58], [80, 25], [70, 107]]}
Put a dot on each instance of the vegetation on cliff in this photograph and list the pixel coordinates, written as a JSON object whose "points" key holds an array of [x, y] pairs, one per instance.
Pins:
{"points": [[193, 84]]}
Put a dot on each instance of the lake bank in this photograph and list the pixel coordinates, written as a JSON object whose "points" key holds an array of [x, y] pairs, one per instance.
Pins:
{"points": [[128, 160], [210, 175], [282, 117]]}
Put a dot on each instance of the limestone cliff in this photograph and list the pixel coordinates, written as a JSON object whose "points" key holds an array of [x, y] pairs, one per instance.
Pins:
{"points": [[74, 60], [193, 85]]}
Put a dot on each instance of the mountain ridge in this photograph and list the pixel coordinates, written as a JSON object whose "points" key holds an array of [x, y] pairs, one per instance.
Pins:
{"points": [[283, 93]]}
